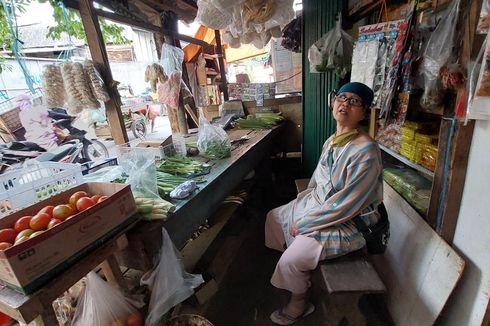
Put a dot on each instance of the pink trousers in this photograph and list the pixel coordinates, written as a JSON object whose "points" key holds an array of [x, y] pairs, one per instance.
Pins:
{"points": [[293, 271]]}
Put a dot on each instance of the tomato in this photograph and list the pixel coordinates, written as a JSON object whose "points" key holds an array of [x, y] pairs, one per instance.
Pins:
{"points": [[4, 319], [61, 212], [22, 223], [102, 198], [5, 245], [53, 222], [7, 235], [96, 198], [84, 203], [21, 239], [35, 234], [24, 234], [48, 210], [134, 319], [76, 196], [40, 221]]}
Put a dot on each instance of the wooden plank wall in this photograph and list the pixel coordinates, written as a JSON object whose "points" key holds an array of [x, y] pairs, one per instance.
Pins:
{"points": [[419, 268]]}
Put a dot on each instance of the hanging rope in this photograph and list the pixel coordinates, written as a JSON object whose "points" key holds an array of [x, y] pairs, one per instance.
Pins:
{"points": [[66, 54], [17, 43]]}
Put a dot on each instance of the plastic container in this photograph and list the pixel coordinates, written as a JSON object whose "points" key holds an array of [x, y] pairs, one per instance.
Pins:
{"points": [[179, 144], [36, 182]]}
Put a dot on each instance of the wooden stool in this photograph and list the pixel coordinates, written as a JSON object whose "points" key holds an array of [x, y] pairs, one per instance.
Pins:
{"points": [[346, 280], [37, 308]]}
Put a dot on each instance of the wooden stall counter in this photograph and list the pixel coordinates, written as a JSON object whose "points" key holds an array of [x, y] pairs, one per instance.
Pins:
{"points": [[249, 148]]}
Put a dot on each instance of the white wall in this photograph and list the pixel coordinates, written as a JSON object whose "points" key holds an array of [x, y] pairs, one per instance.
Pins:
{"points": [[469, 302]]}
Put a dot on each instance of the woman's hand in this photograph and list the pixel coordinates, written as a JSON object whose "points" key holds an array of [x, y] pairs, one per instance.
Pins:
{"points": [[293, 230]]}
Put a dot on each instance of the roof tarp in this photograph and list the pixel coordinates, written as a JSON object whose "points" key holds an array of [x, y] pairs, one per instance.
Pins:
{"points": [[245, 51]]}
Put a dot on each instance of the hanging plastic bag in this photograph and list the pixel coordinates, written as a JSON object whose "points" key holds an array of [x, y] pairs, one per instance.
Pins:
{"points": [[212, 141], [139, 165], [168, 282], [169, 91], [438, 54], [102, 305], [209, 15], [171, 60], [333, 52]]}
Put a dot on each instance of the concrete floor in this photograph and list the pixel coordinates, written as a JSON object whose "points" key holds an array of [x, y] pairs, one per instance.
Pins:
{"points": [[245, 296]]}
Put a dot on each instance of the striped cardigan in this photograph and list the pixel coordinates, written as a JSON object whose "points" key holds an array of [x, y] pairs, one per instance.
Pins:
{"points": [[325, 213]]}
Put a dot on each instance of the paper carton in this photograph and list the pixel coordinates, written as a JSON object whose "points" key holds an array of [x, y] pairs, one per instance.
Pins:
{"points": [[30, 264]]}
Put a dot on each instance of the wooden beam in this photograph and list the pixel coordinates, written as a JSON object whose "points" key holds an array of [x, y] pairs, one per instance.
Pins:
{"points": [[454, 147], [96, 45], [73, 4], [221, 62]]}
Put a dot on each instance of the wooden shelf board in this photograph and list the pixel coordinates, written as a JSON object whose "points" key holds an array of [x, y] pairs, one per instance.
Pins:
{"points": [[426, 172]]}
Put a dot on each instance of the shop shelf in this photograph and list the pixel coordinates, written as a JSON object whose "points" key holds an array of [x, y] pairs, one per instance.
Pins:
{"points": [[425, 172]]}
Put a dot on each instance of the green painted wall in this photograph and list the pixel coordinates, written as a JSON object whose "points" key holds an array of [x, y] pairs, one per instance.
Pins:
{"points": [[318, 124]]}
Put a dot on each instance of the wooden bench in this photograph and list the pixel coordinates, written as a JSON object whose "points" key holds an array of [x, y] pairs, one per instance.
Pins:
{"points": [[346, 279]]}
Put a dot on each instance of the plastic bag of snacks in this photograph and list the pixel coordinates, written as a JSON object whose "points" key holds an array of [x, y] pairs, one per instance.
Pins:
{"points": [[103, 305], [439, 57]]}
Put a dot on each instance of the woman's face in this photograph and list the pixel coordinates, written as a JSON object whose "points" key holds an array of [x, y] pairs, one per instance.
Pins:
{"points": [[348, 109]]}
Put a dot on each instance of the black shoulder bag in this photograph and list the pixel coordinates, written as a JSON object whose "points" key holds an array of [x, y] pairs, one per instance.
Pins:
{"points": [[376, 235]]}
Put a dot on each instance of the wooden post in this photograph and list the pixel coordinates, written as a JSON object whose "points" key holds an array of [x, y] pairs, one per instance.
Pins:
{"points": [[450, 174], [221, 62], [96, 45]]}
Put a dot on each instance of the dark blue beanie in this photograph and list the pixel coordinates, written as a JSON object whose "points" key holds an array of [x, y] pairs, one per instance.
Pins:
{"points": [[361, 90]]}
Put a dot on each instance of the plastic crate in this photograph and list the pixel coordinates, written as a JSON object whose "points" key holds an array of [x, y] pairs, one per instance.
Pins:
{"points": [[22, 188]]}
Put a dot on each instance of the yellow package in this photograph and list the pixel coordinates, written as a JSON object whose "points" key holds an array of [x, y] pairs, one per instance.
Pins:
{"points": [[409, 133], [429, 157], [424, 138], [413, 125]]}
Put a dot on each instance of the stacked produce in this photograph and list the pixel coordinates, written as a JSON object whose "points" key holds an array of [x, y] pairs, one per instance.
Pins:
{"points": [[153, 208], [28, 227], [52, 83], [182, 166], [167, 182], [264, 121]]}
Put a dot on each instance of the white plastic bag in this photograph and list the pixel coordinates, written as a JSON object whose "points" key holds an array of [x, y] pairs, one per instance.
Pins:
{"points": [[168, 282], [439, 53], [332, 52], [103, 305], [139, 165], [211, 16], [212, 141]]}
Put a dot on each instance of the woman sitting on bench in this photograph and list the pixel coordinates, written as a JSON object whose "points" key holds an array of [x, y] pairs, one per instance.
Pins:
{"points": [[318, 224]]}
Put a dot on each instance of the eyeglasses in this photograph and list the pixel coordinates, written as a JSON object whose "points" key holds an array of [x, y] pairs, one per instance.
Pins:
{"points": [[351, 100]]}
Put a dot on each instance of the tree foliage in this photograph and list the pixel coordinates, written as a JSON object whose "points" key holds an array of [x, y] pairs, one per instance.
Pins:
{"points": [[112, 33]]}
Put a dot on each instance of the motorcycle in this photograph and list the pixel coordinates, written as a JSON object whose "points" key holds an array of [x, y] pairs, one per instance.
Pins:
{"points": [[13, 155], [91, 150]]}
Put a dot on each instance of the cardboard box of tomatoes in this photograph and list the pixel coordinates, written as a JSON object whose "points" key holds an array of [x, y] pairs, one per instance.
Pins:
{"points": [[41, 241]]}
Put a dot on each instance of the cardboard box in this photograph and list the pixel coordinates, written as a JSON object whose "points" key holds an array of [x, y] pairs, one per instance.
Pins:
{"points": [[29, 265]]}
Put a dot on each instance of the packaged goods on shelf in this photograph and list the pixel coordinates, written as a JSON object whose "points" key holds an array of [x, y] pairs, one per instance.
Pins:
{"points": [[390, 136], [425, 138], [420, 199], [411, 186], [408, 133], [429, 157]]}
